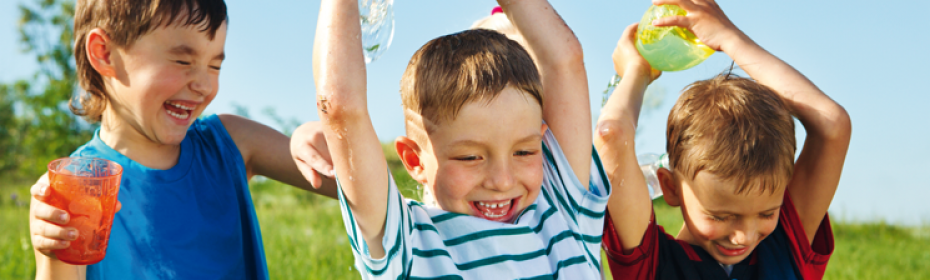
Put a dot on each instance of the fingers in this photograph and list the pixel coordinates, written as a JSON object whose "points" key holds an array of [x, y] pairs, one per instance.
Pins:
{"points": [[53, 231], [312, 176], [47, 245], [312, 157], [39, 190], [42, 211], [672, 21], [630, 31]]}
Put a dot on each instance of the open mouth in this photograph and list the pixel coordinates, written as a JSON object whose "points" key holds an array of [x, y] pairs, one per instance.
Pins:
{"points": [[731, 252], [179, 110], [495, 210]]}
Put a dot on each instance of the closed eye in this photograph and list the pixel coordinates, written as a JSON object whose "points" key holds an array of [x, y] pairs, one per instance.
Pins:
{"points": [[767, 216], [719, 218], [467, 158], [525, 153], [182, 62]]}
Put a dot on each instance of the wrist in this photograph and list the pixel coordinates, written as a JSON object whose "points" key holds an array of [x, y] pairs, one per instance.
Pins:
{"points": [[736, 41]]}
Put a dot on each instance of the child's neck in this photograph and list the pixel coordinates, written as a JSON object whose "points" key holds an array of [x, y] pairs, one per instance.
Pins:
{"points": [[128, 141]]}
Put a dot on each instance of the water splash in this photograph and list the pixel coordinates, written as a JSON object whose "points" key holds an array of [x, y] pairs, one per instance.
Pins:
{"points": [[377, 20]]}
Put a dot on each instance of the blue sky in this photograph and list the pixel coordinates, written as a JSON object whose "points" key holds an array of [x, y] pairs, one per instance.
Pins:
{"points": [[869, 56]]}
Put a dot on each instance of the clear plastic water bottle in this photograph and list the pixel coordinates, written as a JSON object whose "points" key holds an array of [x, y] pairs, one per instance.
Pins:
{"points": [[611, 85], [650, 164], [377, 18]]}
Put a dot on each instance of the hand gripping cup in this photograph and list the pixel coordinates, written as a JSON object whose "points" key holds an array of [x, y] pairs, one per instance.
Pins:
{"points": [[86, 188], [669, 48]]}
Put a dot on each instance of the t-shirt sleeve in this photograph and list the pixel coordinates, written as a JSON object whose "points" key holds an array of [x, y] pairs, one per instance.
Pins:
{"points": [[586, 206], [397, 233], [639, 264], [811, 257]]}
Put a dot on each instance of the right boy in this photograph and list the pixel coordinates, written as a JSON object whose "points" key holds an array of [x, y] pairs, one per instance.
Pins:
{"points": [[512, 201], [149, 68], [750, 211]]}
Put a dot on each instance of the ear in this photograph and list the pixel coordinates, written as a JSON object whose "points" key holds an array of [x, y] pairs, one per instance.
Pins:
{"points": [[99, 51], [671, 191], [409, 153], [543, 129]]}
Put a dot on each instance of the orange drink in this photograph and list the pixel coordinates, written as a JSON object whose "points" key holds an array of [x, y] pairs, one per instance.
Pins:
{"points": [[86, 188]]}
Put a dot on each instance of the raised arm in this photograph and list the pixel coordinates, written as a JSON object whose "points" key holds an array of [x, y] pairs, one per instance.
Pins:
{"points": [[339, 73], [559, 58], [818, 168], [629, 205]]}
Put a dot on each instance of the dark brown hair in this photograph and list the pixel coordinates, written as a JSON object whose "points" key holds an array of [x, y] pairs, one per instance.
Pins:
{"points": [[125, 21], [736, 129], [473, 65]]}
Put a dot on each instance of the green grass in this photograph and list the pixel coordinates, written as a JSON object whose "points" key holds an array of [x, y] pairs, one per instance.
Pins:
{"points": [[304, 237]]}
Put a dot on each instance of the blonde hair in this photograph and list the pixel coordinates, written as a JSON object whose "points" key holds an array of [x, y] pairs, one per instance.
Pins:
{"points": [[734, 128], [125, 21]]}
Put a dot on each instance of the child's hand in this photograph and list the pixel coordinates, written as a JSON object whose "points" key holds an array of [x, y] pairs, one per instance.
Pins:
{"points": [[705, 19], [310, 152], [628, 62], [47, 223]]}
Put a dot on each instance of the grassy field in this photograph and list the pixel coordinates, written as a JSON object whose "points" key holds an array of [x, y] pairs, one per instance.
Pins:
{"points": [[304, 237]]}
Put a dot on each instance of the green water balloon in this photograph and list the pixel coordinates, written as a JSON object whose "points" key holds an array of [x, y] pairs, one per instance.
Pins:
{"points": [[669, 48]]}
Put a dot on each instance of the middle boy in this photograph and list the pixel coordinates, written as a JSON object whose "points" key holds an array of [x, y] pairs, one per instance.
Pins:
{"points": [[512, 201]]}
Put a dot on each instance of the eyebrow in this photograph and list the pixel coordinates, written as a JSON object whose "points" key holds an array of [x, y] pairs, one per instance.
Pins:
{"points": [[187, 50], [731, 213], [534, 137]]}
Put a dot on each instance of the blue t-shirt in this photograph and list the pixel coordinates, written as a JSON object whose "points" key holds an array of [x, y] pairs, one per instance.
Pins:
{"points": [[192, 221]]}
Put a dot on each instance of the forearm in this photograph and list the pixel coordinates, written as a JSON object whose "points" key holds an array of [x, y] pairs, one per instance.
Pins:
{"points": [[48, 268], [629, 205], [558, 56], [339, 70], [818, 113], [549, 37]]}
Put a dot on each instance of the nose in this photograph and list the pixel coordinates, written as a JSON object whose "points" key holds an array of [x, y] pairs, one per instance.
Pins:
{"points": [[745, 233], [202, 82], [500, 176]]}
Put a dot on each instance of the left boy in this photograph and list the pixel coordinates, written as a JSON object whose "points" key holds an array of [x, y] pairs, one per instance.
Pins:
{"points": [[149, 68]]}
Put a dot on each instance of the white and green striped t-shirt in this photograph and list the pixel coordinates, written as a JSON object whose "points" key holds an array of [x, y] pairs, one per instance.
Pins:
{"points": [[558, 236]]}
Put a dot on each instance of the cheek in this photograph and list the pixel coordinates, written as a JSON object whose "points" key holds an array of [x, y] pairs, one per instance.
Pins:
{"points": [[709, 230], [530, 173], [455, 184], [767, 226]]}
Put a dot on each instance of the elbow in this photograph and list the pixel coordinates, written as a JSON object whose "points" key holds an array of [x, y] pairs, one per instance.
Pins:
{"points": [[334, 105], [614, 135], [570, 58], [838, 125]]}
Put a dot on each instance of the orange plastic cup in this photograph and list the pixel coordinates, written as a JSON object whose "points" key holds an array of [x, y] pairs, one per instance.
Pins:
{"points": [[86, 188]]}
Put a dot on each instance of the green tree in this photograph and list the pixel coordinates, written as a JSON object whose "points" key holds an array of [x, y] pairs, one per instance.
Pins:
{"points": [[37, 125]]}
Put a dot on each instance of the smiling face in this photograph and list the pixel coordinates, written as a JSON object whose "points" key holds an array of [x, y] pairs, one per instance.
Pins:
{"points": [[487, 162], [727, 225], [163, 82]]}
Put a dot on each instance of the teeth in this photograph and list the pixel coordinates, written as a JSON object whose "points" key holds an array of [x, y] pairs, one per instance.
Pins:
{"points": [[176, 115], [182, 107], [494, 205]]}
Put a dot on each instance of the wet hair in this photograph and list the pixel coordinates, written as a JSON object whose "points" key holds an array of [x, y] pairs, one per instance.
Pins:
{"points": [[453, 70], [124, 22], [736, 129]]}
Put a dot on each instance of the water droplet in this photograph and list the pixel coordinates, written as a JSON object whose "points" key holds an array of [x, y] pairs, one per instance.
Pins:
{"points": [[351, 178], [625, 143]]}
